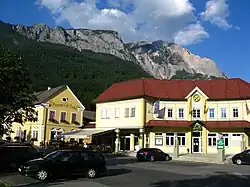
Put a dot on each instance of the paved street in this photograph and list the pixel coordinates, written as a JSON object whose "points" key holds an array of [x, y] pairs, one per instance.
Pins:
{"points": [[127, 172]]}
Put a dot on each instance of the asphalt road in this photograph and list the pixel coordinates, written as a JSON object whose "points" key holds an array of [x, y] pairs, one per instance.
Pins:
{"points": [[130, 173]]}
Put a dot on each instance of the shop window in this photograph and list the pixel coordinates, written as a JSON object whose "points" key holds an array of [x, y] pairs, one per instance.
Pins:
{"points": [[158, 139], [212, 139], [182, 139], [170, 139]]}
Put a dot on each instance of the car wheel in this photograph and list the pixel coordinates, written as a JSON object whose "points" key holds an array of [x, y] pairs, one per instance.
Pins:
{"points": [[152, 159], [91, 173], [167, 158], [238, 162], [42, 175]]}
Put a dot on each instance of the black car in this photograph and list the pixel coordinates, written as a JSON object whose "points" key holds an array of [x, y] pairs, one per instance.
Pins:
{"points": [[65, 163], [12, 155], [242, 158], [152, 154]]}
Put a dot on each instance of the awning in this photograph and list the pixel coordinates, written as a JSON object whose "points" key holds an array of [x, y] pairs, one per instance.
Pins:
{"points": [[84, 133]]}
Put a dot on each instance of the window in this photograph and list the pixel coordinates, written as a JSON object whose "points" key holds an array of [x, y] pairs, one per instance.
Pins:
{"points": [[181, 139], [55, 132], [196, 113], [226, 139], [211, 139], [223, 113], [236, 134], [235, 112], [132, 112], [170, 139], [181, 113], [73, 117], [52, 114], [63, 116], [117, 112], [126, 112], [170, 112], [35, 134], [108, 114], [103, 114], [36, 116], [158, 139], [211, 113]]}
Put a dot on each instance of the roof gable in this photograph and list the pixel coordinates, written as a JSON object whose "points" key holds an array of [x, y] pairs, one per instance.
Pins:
{"points": [[45, 96], [220, 89], [196, 89]]}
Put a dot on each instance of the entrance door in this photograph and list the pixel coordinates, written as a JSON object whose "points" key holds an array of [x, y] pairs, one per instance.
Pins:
{"points": [[196, 144]]}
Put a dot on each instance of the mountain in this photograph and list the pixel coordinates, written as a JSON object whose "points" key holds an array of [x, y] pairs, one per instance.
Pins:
{"points": [[160, 59], [86, 72]]}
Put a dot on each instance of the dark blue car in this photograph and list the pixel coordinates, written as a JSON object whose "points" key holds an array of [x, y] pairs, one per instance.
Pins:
{"points": [[152, 154]]}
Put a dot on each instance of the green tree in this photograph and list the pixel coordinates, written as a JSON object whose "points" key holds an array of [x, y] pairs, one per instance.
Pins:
{"points": [[16, 94]]}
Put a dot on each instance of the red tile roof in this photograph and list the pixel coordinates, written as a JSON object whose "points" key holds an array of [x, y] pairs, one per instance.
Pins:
{"points": [[221, 89], [208, 124]]}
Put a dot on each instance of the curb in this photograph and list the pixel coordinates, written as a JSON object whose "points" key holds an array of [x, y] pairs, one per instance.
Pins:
{"points": [[27, 184]]}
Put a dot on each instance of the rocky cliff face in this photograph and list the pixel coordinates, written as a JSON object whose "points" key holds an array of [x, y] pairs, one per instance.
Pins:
{"points": [[161, 59]]}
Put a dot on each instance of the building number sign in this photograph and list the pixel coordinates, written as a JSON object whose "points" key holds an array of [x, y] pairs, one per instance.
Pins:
{"points": [[196, 97]]}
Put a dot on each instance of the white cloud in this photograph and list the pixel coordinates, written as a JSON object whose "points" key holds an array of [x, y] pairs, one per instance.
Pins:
{"points": [[217, 13], [171, 20], [191, 34]]}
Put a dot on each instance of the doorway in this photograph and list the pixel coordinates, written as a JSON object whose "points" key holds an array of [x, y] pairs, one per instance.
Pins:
{"points": [[125, 143], [196, 142]]}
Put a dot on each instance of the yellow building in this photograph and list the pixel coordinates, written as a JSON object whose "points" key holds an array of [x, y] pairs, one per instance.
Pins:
{"points": [[58, 111], [151, 112]]}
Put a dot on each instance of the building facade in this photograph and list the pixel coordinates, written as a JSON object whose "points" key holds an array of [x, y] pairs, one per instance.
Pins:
{"points": [[58, 111], [150, 112]]}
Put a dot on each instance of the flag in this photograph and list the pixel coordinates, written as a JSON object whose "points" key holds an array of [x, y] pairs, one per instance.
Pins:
{"points": [[161, 113], [190, 106], [157, 107], [205, 107], [247, 109]]}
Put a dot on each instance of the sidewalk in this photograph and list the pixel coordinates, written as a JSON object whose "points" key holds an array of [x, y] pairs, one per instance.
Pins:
{"points": [[206, 158]]}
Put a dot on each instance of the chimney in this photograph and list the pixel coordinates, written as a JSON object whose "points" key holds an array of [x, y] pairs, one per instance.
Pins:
{"points": [[49, 88]]}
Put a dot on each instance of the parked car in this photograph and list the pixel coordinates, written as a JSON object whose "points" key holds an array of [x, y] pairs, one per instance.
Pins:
{"points": [[242, 158], [15, 154], [152, 154], [65, 163]]}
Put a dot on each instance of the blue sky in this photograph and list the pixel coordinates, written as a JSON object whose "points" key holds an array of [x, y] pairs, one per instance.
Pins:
{"points": [[218, 29]]}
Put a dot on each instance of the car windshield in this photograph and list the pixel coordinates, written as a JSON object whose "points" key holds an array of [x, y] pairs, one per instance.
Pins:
{"points": [[53, 155]]}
